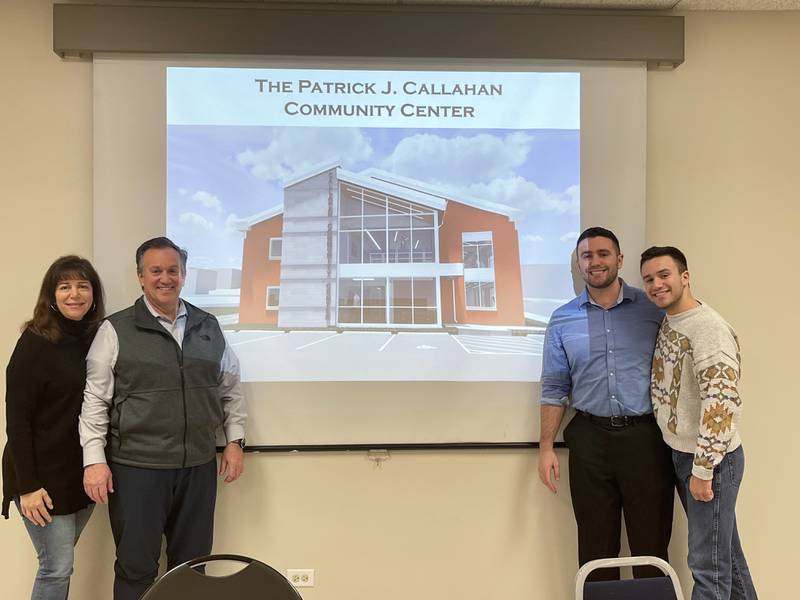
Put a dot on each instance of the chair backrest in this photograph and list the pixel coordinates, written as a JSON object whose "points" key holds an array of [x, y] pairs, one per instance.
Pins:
{"points": [[256, 581], [652, 588]]}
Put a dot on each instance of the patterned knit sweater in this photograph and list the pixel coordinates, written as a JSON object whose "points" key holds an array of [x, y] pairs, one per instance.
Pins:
{"points": [[694, 386]]}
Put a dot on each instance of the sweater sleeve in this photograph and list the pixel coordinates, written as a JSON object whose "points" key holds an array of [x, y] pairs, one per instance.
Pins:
{"points": [[24, 388], [717, 367]]}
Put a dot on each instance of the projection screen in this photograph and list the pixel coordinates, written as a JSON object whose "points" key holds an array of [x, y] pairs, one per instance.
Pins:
{"points": [[382, 241]]}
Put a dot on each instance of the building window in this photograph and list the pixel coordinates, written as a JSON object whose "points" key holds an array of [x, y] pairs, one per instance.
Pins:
{"points": [[374, 298], [275, 248], [273, 296], [374, 246], [424, 301], [378, 300], [422, 245], [400, 246], [377, 228], [478, 250], [479, 284], [480, 295], [350, 300], [362, 300], [349, 247]]}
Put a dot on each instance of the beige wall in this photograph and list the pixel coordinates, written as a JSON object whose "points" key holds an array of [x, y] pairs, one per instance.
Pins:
{"points": [[723, 184], [722, 169]]}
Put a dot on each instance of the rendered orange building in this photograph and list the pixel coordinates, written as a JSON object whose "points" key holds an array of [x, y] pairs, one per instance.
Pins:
{"points": [[373, 249]]}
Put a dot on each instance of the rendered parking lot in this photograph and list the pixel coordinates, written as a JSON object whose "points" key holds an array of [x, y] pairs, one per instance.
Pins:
{"points": [[385, 356]]}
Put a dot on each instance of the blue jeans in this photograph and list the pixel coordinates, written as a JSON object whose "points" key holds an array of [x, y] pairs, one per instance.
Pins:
{"points": [[55, 549], [716, 560]]}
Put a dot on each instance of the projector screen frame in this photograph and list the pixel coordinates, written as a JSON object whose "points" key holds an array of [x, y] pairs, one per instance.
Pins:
{"points": [[476, 32], [120, 282], [392, 447]]}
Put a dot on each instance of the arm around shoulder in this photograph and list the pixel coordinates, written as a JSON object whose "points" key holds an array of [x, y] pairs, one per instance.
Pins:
{"points": [[98, 394]]}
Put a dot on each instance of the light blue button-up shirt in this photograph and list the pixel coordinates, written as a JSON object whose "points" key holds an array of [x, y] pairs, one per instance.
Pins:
{"points": [[601, 357]]}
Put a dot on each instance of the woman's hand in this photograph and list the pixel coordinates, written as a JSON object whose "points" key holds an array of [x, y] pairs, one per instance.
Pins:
{"points": [[34, 507]]}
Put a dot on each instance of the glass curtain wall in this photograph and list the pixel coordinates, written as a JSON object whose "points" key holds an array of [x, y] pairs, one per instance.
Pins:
{"points": [[413, 300], [362, 300], [393, 300], [376, 228]]}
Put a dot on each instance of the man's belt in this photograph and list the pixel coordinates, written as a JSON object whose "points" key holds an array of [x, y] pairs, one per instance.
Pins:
{"points": [[618, 421]]}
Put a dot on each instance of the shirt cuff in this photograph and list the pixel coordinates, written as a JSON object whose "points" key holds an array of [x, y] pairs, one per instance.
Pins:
{"points": [[234, 432], [93, 455], [28, 485], [554, 401]]}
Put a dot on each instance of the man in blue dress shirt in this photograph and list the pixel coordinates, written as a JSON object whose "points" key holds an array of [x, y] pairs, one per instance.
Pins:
{"points": [[597, 356]]}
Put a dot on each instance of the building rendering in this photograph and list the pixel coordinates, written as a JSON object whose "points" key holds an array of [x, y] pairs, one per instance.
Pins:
{"points": [[375, 250]]}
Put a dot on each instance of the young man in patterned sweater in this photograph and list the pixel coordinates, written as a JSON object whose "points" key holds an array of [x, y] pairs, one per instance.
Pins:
{"points": [[694, 389]]}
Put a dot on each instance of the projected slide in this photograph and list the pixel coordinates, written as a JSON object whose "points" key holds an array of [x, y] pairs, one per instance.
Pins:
{"points": [[351, 225]]}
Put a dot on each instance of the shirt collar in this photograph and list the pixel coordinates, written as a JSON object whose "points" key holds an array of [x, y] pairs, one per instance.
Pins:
{"points": [[625, 293], [155, 313]]}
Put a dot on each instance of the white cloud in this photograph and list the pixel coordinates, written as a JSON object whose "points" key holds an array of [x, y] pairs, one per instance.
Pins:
{"points": [[459, 160], [231, 223], [570, 236], [533, 238], [195, 220], [572, 196], [207, 199], [293, 151], [527, 196]]}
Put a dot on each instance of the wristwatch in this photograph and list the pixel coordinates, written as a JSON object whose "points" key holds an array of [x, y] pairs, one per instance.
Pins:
{"points": [[239, 442]]}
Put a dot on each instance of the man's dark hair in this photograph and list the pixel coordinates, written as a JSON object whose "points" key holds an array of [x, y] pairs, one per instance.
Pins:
{"points": [[594, 232], [156, 243], [671, 251]]}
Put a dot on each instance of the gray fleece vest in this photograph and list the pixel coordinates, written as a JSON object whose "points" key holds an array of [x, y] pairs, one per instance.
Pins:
{"points": [[166, 407]]}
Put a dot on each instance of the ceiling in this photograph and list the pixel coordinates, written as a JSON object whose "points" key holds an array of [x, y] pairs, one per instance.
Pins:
{"points": [[659, 5]]}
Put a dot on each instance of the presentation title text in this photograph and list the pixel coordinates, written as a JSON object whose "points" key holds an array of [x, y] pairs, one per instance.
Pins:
{"points": [[441, 91]]}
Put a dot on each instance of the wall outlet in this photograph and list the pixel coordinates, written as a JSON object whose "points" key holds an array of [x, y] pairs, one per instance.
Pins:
{"points": [[300, 577]]}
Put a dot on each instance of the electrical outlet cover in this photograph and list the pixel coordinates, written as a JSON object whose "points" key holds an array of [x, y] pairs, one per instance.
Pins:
{"points": [[300, 577]]}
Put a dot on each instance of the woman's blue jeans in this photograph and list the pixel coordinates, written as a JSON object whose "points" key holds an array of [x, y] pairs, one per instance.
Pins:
{"points": [[716, 559], [55, 549]]}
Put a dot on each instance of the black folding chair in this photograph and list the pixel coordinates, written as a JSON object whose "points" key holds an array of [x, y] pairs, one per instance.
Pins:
{"points": [[650, 588], [256, 581]]}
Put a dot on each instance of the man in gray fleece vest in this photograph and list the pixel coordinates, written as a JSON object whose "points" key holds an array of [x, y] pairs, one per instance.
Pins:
{"points": [[695, 393], [160, 381]]}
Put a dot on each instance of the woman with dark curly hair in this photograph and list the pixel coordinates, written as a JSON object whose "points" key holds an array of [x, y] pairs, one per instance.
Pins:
{"points": [[42, 460]]}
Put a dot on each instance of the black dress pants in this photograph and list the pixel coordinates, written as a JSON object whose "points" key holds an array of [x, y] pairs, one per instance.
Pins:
{"points": [[149, 503], [620, 471]]}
